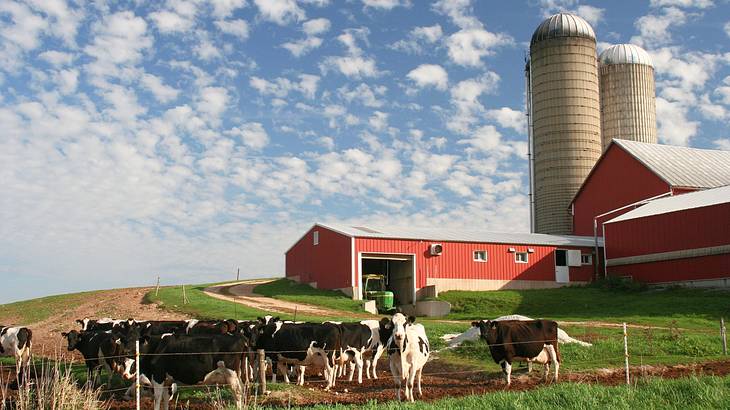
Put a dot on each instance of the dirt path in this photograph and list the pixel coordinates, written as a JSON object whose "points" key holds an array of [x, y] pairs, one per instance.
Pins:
{"points": [[242, 293], [117, 303]]}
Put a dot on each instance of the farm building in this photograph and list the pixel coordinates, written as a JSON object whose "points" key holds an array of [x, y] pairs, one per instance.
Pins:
{"points": [[680, 239], [422, 262], [630, 172]]}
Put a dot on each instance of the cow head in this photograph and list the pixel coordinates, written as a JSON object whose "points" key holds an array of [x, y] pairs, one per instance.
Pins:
{"points": [[487, 330], [73, 338], [399, 323]]}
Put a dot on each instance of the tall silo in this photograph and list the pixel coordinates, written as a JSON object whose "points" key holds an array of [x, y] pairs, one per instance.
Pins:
{"points": [[564, 118], [628, 99]]}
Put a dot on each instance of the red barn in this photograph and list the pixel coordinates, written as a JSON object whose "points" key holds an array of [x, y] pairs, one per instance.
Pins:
{"points": [[423, 262], [629, 172], [681, 239]]}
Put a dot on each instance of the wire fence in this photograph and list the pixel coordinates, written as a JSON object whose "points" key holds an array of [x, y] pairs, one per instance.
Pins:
{"points": [[633, 357]]}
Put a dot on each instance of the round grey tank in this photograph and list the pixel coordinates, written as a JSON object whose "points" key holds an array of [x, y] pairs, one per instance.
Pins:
{"points": [[565, 117], [628, 99]]}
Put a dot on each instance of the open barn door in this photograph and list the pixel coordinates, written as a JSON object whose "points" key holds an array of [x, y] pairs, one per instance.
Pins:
{"points": [[399, 271]]}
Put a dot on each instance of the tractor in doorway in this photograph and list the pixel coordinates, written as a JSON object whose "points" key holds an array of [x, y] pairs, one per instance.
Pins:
{"points": [[374, 289]]}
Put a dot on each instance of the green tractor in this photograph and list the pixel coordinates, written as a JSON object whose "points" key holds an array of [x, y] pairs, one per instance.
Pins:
{"points": [[374, 286]]}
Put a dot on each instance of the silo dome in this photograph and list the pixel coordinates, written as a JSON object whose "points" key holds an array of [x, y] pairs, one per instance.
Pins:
{"points": [[562, 25], [625, 54]]}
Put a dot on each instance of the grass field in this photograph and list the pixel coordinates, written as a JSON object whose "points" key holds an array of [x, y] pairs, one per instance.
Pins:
{"points": [[687, 393], [686, 308], [291, 291], [35, 310]]}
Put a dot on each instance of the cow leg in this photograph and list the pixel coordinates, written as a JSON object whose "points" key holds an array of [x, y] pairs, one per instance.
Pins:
{"points": [[508, 372], [554, 358], [396, 377], [283, 368], [378, 352], [158, 389], [235, 382], [367, 367], [418, 380], [358, 364], [529, 366], [411, 382], [301, 370]]}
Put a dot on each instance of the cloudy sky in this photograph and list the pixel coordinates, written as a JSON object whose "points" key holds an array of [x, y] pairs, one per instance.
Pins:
{"points": [[186, 139]]}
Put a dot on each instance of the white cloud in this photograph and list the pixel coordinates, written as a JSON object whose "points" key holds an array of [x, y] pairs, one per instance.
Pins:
{"points": [[205, 49], [378, 121], [485, 138], [311, 29], [465, 101], [723, 144], [57, 58], [170, 22], [591, 14], [508, 118], [213, 101], [162, 92], [281, 87], [682, 3], [224, 8], [252, 134], [67, 81], [316, 26], [368, 96], [468, 46], [354, 64], [674, 126], [119, 39], [21, 36], [727, 28], [460, 12], [429, 75], [281, 12], [386, 4], [238, 28], [654, 28], [63, 21], [417, 38]]}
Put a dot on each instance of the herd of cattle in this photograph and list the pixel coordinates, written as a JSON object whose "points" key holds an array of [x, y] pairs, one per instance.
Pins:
{"points": [[195, 352]]}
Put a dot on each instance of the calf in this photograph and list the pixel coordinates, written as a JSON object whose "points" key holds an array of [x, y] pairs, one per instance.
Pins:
{"points": [[100, 350], [191, 359], [408, 351], [357, 340], [521, 340], [17, 342]]}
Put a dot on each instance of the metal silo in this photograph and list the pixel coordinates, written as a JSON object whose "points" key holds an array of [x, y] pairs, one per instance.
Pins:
{"points": [[564, 118], [628, 100]]}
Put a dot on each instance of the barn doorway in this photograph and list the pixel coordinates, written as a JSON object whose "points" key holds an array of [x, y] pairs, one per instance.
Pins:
{"points": [[562, 271], [399, 272]]}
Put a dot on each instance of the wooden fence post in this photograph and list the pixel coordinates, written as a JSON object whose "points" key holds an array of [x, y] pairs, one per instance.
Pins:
{"points": [[262, 370], [157, 288], [723, 335], [626, 355], [136, 375]]}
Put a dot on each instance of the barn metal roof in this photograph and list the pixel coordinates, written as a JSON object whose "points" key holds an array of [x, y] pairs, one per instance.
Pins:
{"points": [[682, 166], [562, 25], [690, 200], [458, 235], [625, 54]]}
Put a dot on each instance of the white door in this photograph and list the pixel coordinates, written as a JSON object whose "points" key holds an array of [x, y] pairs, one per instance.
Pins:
{"points": [[562, 273]]}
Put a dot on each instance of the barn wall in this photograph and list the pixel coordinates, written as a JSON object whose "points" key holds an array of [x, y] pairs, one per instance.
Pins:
{"points": [[680, 270], [456, 264], [328, 264], [688, 229], [618, 180]]}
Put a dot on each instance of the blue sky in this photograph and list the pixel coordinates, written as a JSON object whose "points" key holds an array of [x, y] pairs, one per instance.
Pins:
{"points": [[186, 139]]}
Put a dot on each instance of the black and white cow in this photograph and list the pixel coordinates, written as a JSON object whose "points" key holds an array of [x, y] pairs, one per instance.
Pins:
{"points": [[197, 359], [17, 342], [521, 340], [103, 324], [408, 351], [100, 349], [301, 345], [359, 345]]}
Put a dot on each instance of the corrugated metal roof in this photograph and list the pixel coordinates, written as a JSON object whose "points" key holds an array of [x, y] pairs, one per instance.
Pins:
{"points": [[562, 25], [625, 54], [458, 235], [682, 166], [678, 203]]}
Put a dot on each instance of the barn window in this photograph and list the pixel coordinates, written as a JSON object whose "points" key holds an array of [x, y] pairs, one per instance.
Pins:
{"points": [[586, 259], [480, 256], [315, 237], [521, 257]]}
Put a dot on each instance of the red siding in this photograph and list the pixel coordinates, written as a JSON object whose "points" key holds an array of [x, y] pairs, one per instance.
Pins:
{"points": [[688, 229], [618, 180], [706, 267], [329, 264], [457, 260]]}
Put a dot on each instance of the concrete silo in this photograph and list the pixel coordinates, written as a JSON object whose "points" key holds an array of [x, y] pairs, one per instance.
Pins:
{"points": [[564, 118], [628, 99]]}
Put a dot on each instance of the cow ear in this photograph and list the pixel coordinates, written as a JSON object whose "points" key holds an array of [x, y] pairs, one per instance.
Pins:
{"points": [[474, 324], [411, 319], [492, 324], [64, 334]]}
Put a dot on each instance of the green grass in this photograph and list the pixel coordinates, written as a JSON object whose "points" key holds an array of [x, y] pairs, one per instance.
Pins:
{"points": [[291, 291], [686, 393], [35, 310], [687, 308]]}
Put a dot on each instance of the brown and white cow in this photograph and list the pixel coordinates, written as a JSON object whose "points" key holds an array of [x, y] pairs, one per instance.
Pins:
{"points": [[408, 351], [521, 340]]}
